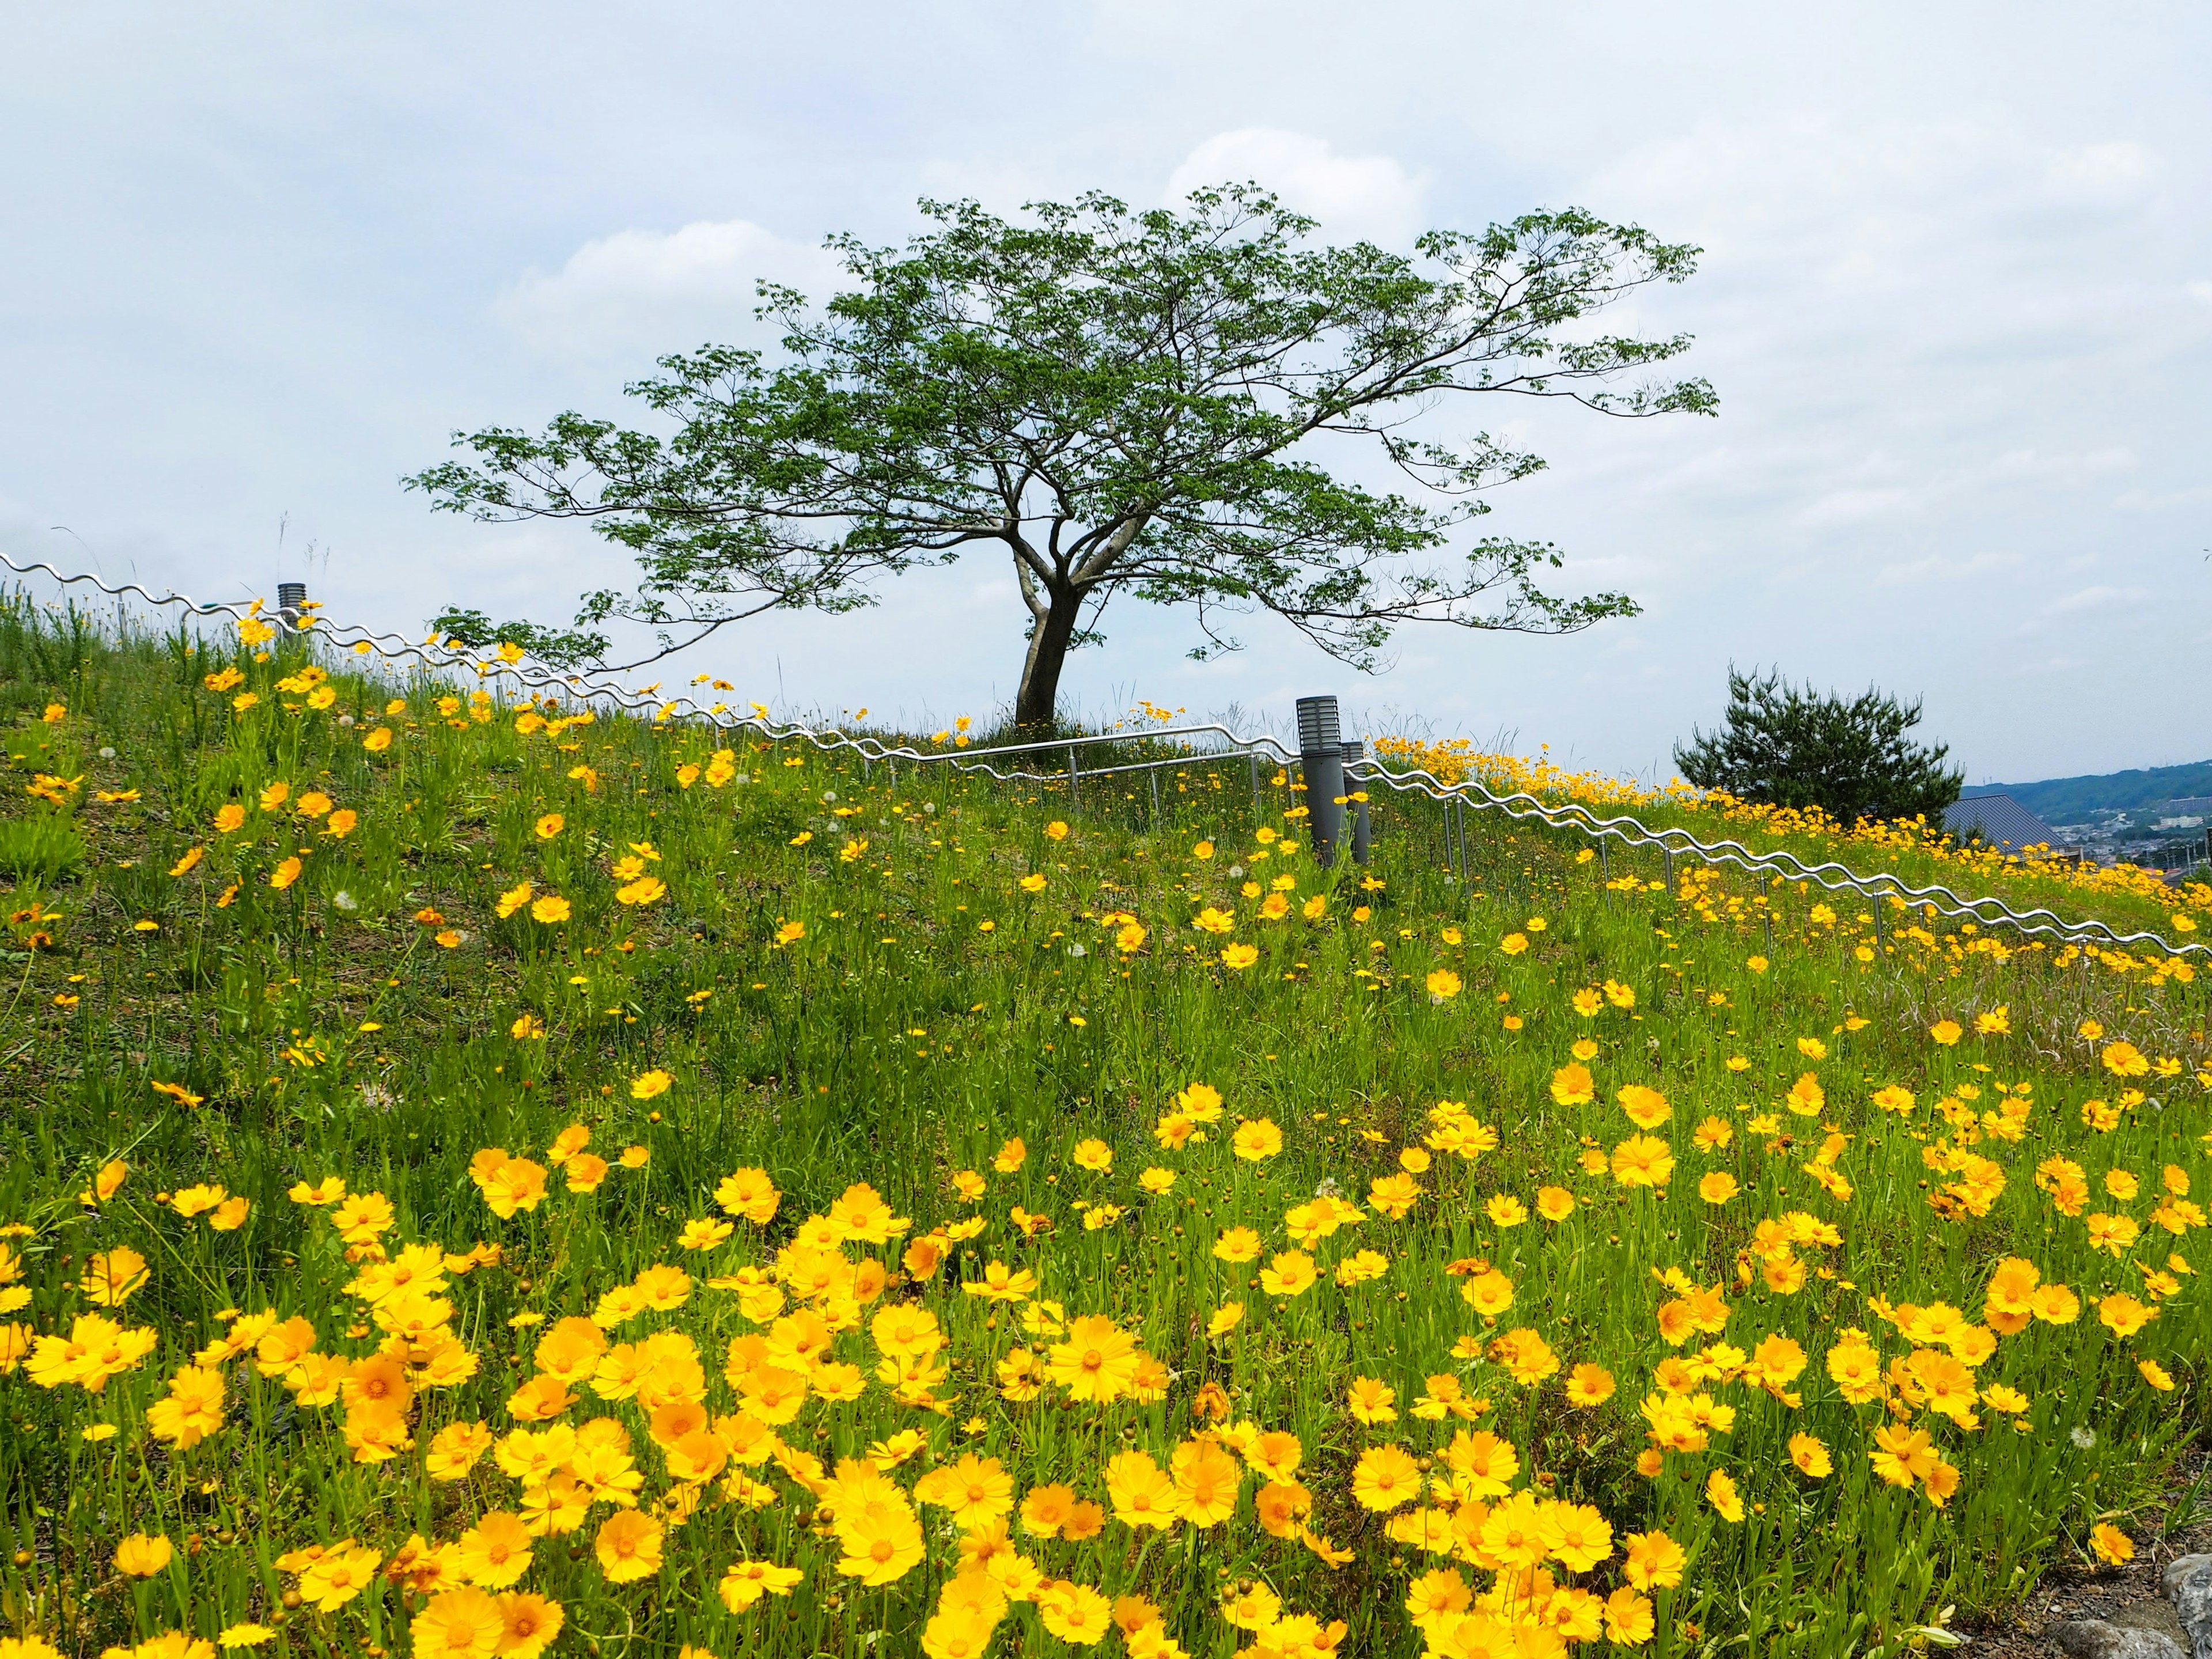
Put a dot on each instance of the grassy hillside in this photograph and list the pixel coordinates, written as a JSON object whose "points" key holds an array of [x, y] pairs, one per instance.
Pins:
{"points": [[479, 1178], [2126, 898], [2071, 800]]}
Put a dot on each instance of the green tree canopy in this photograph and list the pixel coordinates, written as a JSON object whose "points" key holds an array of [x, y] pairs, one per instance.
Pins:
{"points": [[1125, 403], [1794, 747]]}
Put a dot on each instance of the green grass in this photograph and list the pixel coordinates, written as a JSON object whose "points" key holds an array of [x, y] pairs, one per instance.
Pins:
{"points": [[933, 1009]]}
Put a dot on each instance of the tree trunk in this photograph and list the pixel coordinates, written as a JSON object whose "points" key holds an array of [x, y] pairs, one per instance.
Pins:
{"points": [[1037, 704]]}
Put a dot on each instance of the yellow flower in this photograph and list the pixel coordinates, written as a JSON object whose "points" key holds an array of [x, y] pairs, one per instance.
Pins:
{"points": [[1385, 1477], [1292, 1272], [1032, 883], [110, 1278], [1239, 957], [1141, 1492], [1721, 1494], [882, 1544], [2112, 1546], [285, 874], [141, 1557], [2124, 1059], [1238, 1245], [629, 1547], [338, 1574], [1514, 944], [550, 908], [1371, 1401], [1588, 1385], [649, 1086], [1810, 1457], [529, 1624], [549, 825], [1443, 985], [461, 1623], [495, 1551], [1947, 1031], [1646, 1107], [747, 1582], [1257, 1140]]}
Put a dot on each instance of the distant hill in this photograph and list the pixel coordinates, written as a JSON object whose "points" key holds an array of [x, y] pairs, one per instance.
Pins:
{"points": [[2071, 800]]}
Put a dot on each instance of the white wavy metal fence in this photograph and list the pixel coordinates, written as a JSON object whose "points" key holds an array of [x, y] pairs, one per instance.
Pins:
{"points": [[1227, 746]]}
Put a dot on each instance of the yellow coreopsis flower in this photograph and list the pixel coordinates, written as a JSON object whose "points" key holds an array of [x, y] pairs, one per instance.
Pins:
{"points": [[1257, 1140], [142, 1556]]}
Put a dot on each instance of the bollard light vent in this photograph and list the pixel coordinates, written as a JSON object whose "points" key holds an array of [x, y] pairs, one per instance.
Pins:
{"points": [[1318, 728]]}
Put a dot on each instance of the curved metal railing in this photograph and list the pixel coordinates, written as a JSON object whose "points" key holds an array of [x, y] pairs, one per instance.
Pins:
{"points": [[1985, 911], [1835, 877]]}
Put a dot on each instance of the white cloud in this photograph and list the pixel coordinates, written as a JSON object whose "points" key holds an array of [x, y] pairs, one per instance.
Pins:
{"points": [[655, 291], [2111, 172], [2095, 599], [1934, 567], [1369, 197]]}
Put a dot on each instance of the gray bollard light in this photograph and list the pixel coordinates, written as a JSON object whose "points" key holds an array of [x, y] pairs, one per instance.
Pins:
{"points": [[1321, 753], [1362, 838], [291, 605]]}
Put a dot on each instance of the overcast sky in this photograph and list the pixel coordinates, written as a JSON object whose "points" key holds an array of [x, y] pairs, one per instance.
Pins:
{"points": [[259, 260]]}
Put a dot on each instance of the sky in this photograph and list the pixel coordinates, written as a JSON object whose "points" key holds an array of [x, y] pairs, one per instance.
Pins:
{"points": [[1955, 298]]}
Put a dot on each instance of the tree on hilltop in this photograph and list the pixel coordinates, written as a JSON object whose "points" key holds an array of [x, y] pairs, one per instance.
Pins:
{"points": [[1787, 746], [1126, 404]]}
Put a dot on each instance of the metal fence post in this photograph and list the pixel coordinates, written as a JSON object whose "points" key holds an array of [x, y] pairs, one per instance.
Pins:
{"points": [[1253, 756], [1320, 754], [1767, 916], [1153, 773], [1362, 838], [1669, 851], [1074, 773]]}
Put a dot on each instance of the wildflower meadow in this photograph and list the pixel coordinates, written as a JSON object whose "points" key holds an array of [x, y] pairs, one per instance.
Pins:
{"points": [[482, 1175]]}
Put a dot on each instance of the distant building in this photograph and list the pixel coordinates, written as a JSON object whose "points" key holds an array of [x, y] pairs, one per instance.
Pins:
{"points": [[2189, 807], [2002, 822]]}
